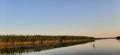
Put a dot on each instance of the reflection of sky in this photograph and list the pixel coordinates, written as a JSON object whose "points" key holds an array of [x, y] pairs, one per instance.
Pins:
{"points": [[73, 17], [103, 47]]}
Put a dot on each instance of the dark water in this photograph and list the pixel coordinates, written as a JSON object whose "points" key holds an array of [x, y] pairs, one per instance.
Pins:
{"points": [[98, 47]]}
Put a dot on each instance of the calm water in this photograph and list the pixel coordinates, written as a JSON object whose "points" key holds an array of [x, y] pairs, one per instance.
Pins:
{"points": [[98, 47]]}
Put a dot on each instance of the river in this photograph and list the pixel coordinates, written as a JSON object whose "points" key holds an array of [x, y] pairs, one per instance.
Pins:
{"points": [[98, 47]]}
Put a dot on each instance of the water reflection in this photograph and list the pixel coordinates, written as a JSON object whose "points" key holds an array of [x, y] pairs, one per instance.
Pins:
{"points": [[99, 47], [13, 49], [93, 44], [66, 47], [118, 40]]}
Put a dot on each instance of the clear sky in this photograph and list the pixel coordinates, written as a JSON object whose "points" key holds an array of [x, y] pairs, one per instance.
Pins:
{"points": [[99, 18]]}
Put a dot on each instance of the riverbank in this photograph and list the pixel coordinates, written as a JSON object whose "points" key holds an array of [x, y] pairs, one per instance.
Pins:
{"points": [[17, 43], [9, 41]]}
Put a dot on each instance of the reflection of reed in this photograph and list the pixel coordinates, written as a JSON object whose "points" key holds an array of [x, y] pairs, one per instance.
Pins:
{"points": [[10, 44], [93, 45], [16, 47], [46, 42], [118, 40]]}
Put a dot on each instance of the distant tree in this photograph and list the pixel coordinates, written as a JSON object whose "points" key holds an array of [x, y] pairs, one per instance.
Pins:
{"points": [[118, 37]]}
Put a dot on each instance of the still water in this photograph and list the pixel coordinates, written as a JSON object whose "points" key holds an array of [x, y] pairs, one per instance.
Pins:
{"points": [[98, 47]]}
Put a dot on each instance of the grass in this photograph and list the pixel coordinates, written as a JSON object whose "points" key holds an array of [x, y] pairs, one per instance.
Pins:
{"points": [[21, 38]]}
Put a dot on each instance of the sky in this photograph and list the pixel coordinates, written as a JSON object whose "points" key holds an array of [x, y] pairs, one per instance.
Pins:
{"points": [[98, 18]]}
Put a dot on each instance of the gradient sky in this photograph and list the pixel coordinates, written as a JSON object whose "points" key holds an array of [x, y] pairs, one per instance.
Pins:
{"points": [[99, 18]]}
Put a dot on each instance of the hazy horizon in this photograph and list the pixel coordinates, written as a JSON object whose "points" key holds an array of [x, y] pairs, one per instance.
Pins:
{"points": [[97, 18]]}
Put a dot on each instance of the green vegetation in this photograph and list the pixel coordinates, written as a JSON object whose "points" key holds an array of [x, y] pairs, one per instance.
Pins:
{"points": [[22, 38]]}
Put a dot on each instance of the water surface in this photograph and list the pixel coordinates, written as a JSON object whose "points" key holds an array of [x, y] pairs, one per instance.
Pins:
{"points": [[99, 47]]}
